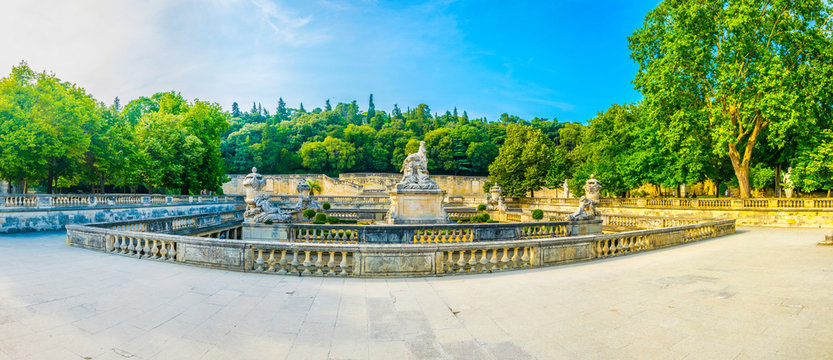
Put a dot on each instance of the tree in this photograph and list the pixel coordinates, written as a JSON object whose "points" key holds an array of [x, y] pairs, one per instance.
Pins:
{"points": [[813, 168], [315, 186], [371, 108], [235, 110], [523, 161], [327, 106], [724, 72]]}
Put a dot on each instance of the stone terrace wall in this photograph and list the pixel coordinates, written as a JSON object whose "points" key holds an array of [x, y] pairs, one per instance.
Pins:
{"points": [[809, 213], [357, 184], [20, 219]]}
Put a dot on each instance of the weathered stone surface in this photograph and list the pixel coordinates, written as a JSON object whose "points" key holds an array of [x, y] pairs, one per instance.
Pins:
{"points": [[551, 255], [25, 220], [266, 232], [388, 264], [417, 207]]}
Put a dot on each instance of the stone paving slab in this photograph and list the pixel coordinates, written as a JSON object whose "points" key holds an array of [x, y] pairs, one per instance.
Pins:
{"points": [[762, 293]]}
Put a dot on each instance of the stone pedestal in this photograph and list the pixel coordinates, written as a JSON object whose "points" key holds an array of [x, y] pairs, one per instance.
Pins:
{"points": [[788, 193], [266, 232], [417, 206]]}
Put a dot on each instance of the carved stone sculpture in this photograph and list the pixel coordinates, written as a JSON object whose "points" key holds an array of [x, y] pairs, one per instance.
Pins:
{"points": [[494, 201], [306, 201], [788, 183], [264, 212], [253, 183], [587, 204], [415, 171]]}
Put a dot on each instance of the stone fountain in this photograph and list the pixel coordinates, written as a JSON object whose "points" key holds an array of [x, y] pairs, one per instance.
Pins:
{"points": [[416, 199]]}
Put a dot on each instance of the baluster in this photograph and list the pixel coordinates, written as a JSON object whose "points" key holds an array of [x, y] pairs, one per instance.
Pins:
{"points": [[146, 249], [483, 261], [259, 260], [515, 258], [493, 261], [343, 264], [172, 252], [461, 261], [154, 250], [307, 263], [163, 252], [282, 263], [525, 257], [472, 260], [294, 264], [331, 263], [130, 246], [319, 264], [271, 261], [504, 261], [449, 262]]}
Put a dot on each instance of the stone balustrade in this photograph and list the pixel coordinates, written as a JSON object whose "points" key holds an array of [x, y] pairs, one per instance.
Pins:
{"points": [[418, 234], [61, 201], [317, 258], [177, 224], [686, 203]]}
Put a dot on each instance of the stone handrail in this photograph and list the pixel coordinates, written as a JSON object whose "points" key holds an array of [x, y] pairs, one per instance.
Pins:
{"points": [[176, 224], [687, 203], [384, 260], [47, 201], [424, 234]]}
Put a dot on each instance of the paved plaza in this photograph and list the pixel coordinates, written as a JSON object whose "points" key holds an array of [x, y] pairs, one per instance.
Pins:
{"points": [[762, 293]]}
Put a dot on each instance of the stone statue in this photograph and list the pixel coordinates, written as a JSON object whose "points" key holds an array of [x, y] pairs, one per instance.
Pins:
{"points": [[306, 201], [264, 211], [587, 204], [415, 171], [787, 182], [566, 189], [253, 183], [494, 201]]}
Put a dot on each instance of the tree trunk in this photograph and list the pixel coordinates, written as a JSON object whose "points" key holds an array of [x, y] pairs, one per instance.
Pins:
{"points": [[49, 180], [777, 182], [101, 184], [20, 187], [828, 193], [741, 168]]}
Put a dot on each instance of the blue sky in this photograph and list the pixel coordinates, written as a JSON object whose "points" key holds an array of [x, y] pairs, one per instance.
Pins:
{"points": [[552, 59]]}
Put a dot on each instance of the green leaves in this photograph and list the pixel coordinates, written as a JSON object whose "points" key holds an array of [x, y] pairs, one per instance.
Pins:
{"points": [[523, 160], [728, 72]]}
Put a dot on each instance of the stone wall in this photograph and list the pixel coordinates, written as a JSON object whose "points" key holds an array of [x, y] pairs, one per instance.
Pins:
{"points": [[25, 220], [356, 184], [384, 260], [809, 213]]}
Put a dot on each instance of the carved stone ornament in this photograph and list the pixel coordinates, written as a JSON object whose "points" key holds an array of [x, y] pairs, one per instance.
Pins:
{"points": [[305, 200], [494, 201], [415, 172], [264, 212], [587, 204]]}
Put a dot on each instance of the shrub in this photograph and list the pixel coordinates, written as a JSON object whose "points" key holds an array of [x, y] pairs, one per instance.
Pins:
{"points": [[348, 221], [321, 217], [333, 220], [319, 222], [491, 221], [481, 207], [308, 213], [463, 221], [326, 206], [537, 214], [480, 218]]}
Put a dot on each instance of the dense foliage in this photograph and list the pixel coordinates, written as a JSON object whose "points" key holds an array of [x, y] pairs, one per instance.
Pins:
{"points": [[53, 133], [721, 77], [734, 91], [345, 139]]}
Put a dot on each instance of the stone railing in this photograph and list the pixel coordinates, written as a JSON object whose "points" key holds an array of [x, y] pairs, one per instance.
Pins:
{"points": [[48, 201], [337, 200], [384, 260], [686, 203], [420, 234], [176, 224]]}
